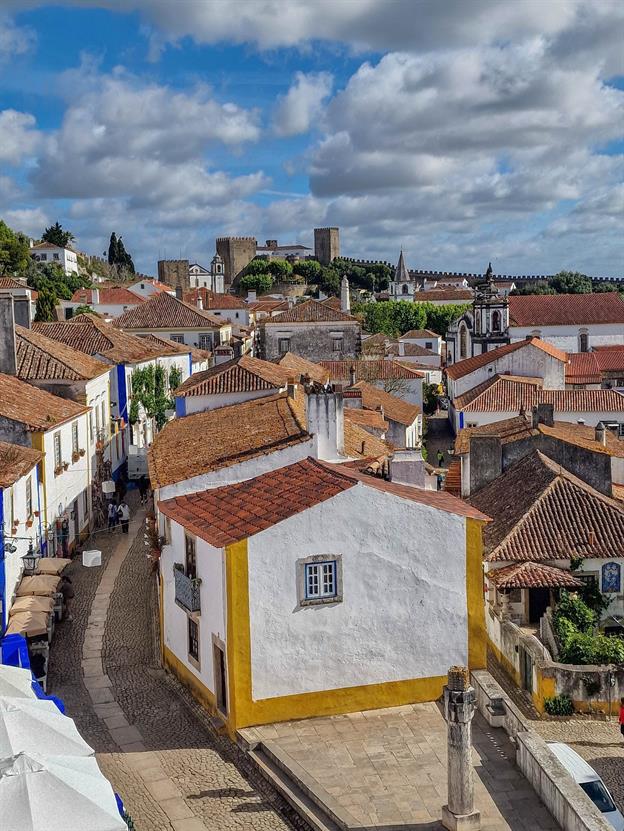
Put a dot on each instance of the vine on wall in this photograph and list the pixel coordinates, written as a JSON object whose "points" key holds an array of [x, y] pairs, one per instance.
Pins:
{"points": [[150, 387]]}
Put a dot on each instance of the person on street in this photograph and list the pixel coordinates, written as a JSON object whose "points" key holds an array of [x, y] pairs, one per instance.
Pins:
{"points": [[123, 512], [143, 488], [67, 590], [112, 515], [621, 716], [440, 457]]}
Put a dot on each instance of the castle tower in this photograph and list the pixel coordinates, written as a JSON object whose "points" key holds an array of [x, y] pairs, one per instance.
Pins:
{"points": [[326, 244], [236, 254], [217, 273], [175, 273]]}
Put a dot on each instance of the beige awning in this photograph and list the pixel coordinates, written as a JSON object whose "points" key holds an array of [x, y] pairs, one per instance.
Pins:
{"points": [[52, 565], [41, 584], [32, 603], [29, 624]]}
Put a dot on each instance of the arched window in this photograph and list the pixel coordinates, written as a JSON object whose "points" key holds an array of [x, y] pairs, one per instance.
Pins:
{"points": [[405, 288], [496, 320], [584, 342], [463, 342]]}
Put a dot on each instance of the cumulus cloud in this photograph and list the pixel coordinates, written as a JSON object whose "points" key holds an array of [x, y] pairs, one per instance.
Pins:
{"points": [[19, 136], [14, 40], [301, 107]]}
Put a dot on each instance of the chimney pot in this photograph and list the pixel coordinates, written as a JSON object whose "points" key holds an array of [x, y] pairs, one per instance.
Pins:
{"points": [[178, 292], [601, 433]]}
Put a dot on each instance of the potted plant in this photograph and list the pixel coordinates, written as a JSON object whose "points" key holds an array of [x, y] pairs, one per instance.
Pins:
{"points": [[81, 452], [36, 513], [65, 465], [29, 522], [75, 456]]}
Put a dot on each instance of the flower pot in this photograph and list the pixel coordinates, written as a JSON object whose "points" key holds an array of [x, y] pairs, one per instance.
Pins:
{"points": [[81, 452], [36, 513], [29, 523], [65, 465]]}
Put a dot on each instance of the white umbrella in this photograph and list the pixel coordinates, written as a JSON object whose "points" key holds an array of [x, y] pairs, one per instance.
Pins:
{"points": [[56, 793], [16, 682], [37, 726]]}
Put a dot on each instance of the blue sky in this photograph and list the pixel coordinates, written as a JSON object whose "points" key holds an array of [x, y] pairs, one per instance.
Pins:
{"points": [[464, 134]]}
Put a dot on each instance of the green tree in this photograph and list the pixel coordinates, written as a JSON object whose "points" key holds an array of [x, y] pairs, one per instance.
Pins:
{"points": [[310, 270], [260, 283], [14, 250], [329, 281], [57, 236], [536, 288], [439, 318], [604, 286], [112, 249], [84, 309], [279, 269], [118, 256], [571, 282], [46, 302]]}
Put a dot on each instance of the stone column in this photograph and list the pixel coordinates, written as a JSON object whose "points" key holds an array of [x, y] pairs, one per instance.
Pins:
{"points": [[459, 707]]}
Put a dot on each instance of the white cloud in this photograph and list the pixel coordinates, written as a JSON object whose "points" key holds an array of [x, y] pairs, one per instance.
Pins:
{"points": [[14, 40], [301, 107], [18, 136], [31, 221]]}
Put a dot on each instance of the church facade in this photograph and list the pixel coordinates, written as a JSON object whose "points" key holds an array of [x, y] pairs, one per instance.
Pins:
{"points": [[482, 328]]}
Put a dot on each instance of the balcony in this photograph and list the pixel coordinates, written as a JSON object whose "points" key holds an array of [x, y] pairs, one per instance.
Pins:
{"points": [[187, 591]]}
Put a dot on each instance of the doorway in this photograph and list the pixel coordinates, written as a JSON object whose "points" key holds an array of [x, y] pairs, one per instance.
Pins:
{"points": [[220, 678], [526, 670], [76, 517], [539, 600]]}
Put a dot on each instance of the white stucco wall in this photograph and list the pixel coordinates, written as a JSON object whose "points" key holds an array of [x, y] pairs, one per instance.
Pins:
{"points": [[408, 389], [212, 619], [435, 342], [238, 316], [528, 362], [590, 419], [402, 616], [201, 403], [567, 337], [190, 336]]}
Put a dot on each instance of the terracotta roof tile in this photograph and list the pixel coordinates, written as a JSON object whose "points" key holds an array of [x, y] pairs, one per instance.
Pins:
{"points": [[465, 367], [245, 374], [219, 438], [16, 461], [213, 300], [419, 334], [360, 444], [268, 306], [171, 347], [562, 309], [452, 480], [532, 576], [541, 512], [412, 350], [395, 409], [298, 366], [114, 296], [41, 358], [507, 430], [583, 368], [366, 418], [10, 283], [466, 295], [37, 409], [311, 311], [374, 369], [164, 311], [505, 393]]}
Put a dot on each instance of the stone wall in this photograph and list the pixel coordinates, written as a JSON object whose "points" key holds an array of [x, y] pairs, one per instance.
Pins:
{"points": [[326, 244], [311, 341], [174, 273], [236, 253]]}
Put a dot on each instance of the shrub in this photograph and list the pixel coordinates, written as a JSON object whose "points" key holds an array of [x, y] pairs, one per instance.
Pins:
{"points": [[559, 705], [310, 270], [256, 282], [577, 611]]}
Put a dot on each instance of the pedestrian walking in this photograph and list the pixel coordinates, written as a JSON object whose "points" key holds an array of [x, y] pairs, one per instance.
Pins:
{"points": [[112, 515], [440, 457], [143, 488], [123, 512], [67, 590]]}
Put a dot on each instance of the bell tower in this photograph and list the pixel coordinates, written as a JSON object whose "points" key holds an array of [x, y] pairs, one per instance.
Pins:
{"points": [[217, 272], [490, 316]]}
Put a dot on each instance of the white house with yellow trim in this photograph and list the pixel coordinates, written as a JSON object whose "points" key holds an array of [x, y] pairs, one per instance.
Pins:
{"points": [[315, 589]]}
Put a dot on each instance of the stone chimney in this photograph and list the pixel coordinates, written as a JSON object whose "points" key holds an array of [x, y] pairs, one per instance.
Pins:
{"points": [[95, 296], [543, 414], [291, 387], [325, 420], [8, 358], [352, 375], [407, 467], [178, 292], [601, 433], [251, 296], [345, 300], [200, 304]]}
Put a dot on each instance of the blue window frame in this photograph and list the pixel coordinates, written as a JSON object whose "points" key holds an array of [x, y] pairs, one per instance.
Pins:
{"points": [[320, 580]]}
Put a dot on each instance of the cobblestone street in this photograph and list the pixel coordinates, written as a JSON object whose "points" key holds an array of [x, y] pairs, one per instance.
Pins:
{"points": [[162, 754]]}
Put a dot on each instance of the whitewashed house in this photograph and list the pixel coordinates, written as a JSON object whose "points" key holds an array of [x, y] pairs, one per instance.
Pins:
{"points": [[47, 253], [108, 301], [226, 306], [404, 419], [270, 593], [21, 498], [389, 375]]}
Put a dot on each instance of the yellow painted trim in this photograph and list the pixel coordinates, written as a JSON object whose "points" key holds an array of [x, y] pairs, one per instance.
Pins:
{"points": [[505, 662], [546, 688], [245, 712], [198, 690], [37, 441], [477, 633]]}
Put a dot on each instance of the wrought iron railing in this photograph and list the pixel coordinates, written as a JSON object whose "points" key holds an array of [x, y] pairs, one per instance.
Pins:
{"points": [[187, 591]]}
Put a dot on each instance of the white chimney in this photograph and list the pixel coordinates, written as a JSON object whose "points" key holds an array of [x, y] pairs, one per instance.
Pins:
{"points": [[251, 296], [345, 300], [200, 304], [325, 421], [8, 356], [95, 296]]}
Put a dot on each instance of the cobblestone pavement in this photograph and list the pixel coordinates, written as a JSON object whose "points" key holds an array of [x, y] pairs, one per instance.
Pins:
{"points": [[387, 768], [160, 750], [599, 742], [439, 437]]}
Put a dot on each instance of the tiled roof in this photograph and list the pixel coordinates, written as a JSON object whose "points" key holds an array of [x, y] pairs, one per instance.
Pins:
{"points": [[360, 444], [37, 409], [225, 515], [412, 350], [395, 409], [583, 368], [610, 360], [245, 374], [507, 430], [268, 306], [114, 296], [366, 418], [171, 347], [452, 480], [375, 369], [93, 336], [164, 311], [15, 462], [312, 311], [419, 334], [49, 245], [156, 284], [213, 300], [40, 358], [532, 576], [582, 435], [466, 295], [541, 512], [465, 367], [298, 366], [11, 283], [563, 309], [506, 393], [223, 437]]}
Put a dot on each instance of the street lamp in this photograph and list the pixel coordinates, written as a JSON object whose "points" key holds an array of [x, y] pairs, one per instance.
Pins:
{"points": [[30, 560]]}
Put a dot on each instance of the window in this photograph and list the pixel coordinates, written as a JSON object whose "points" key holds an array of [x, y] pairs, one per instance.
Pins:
{"points": [[496, 321], [103, 411], [56, 256], [75, 437], [338, 345], [91, 425], [405, 288], [193, 640], [29, 510], [57, 450], [584, 342], [463, 342], [44, 256], [205, 341], [428, 344], [283, 345], [190, 558], [320, 580], [177, 338]]}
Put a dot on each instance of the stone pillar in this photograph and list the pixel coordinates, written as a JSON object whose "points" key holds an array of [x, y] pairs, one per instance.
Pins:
{"points": [[459, 707]]}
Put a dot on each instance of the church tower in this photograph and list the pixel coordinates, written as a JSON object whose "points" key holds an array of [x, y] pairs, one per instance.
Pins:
{"points": [[490, 316], [217, 273], [402, 286]]}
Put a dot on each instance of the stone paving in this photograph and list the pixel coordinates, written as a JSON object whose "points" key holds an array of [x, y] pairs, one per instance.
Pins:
{"points": [[160, 750], [387, 768]]}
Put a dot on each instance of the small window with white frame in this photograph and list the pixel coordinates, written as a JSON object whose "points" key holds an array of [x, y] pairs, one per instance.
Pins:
{"points": [[205, 341], [338, 344], [29, 507], [283, 345], [320, 579], [74, 429], [177, 338], [57, 451]]}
